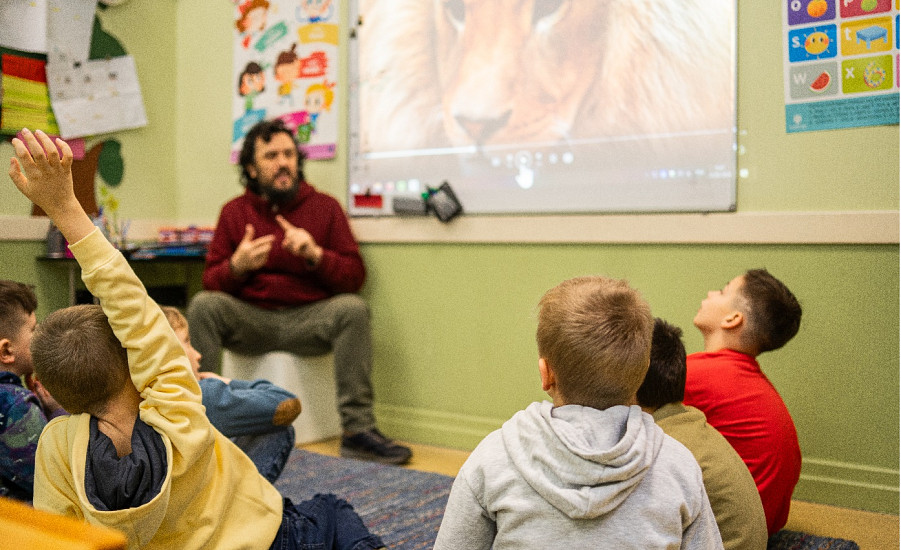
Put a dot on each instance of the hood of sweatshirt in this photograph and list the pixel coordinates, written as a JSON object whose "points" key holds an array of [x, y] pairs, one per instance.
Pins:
{"points": [[581, 460]]}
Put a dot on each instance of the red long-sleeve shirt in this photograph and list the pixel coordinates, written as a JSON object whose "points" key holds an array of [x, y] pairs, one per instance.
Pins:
{"points": [[286, 280], [741, 402]]}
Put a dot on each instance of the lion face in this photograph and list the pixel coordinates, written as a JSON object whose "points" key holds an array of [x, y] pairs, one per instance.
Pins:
{"points": [[515, 70], [489, 72]]}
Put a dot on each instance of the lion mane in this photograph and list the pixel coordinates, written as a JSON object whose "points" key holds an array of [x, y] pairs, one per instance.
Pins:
{"points": [[437, 73]]}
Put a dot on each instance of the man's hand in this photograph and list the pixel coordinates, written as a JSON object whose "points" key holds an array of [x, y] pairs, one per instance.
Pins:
{"points": [[251, 253], [43, 173], [300, 243]]}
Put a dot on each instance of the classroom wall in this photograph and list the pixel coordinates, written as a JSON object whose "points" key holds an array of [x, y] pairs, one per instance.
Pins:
{"points": [[454, 322]]}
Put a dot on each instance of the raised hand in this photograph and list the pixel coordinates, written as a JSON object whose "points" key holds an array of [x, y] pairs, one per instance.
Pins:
{"points": [[43, 173], [251, 254], [299, 242]]}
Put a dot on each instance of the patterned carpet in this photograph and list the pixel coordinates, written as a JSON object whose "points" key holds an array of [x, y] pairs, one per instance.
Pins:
{"points": [[405, 507], [402, 506], [791, 540]]}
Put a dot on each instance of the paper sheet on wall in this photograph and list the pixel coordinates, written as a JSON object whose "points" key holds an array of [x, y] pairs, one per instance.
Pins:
{"points": [[24, 24], [60, 28], [69, 27], [96, 96]]}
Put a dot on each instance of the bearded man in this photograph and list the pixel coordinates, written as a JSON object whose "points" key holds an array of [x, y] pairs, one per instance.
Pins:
{"points": [[282, 273]]}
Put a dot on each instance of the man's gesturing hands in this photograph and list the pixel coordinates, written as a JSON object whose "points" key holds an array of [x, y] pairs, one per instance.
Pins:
{"points": [[251, 254]]}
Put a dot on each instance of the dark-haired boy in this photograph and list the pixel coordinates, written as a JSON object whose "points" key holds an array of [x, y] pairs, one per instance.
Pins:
{"points": [[24, 411], [730, 487], [752, 314]]}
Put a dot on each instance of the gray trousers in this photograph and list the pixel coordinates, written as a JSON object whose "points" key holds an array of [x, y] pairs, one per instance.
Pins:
{"points": [[339, 324]]}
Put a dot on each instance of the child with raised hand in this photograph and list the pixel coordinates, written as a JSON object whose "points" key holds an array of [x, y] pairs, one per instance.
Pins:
{"points": [[138, 453]]}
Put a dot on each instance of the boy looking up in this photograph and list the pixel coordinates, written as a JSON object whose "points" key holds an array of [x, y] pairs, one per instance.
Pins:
{"points": [[23, 412], [588, 470], [752, 314], [730, 487], [138, 453]]}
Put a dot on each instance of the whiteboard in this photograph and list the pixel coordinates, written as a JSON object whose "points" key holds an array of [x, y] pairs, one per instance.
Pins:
{"points": [[544, 106]]}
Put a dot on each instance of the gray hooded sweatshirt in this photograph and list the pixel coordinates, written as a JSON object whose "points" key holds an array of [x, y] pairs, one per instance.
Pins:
{"points": [[575, 477]]}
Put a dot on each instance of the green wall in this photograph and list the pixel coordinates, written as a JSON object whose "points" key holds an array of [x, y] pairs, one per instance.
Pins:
{"points": [[454, 323]]}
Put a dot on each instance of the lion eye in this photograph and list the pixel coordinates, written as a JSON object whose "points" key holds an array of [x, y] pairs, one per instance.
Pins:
{"points": [[456, 12], [548, 10]]}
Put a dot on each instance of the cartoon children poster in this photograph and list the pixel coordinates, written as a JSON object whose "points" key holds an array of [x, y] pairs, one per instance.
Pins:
{"points": [[286, 66], [841, 63]]}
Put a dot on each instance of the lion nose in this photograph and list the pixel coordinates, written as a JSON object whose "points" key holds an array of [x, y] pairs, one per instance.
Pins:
{"points": [[481, 129]]}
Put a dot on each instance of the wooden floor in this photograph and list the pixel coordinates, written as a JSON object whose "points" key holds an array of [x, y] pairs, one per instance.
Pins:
{"points": [[869, 530]]}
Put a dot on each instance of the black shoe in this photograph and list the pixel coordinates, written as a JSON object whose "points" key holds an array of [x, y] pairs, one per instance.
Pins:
{"points": [[375, 447]]}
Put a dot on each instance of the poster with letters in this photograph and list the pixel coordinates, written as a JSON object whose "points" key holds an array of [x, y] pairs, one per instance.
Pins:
{"points": [[286, 66], [841, 63]]}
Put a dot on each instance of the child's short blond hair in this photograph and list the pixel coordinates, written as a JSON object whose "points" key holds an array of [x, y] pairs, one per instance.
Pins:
{"points": [[595, 333], [78, 359], [175, 317]]}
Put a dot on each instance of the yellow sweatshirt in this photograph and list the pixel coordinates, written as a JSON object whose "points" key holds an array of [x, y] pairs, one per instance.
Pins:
{"points": [[212, 496]]}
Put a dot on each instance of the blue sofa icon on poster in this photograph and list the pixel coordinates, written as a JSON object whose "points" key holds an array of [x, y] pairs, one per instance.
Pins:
{"points": [[871, 34]]}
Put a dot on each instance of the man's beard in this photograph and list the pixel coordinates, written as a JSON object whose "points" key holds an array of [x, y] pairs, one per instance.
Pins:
{"points": [[280, 196]]}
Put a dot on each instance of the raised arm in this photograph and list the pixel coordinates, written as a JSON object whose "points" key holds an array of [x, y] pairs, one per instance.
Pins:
{"points": [[159, 368]]}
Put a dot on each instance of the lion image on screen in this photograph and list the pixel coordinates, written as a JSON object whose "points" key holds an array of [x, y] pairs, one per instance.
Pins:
{"points": [[439, 73]]}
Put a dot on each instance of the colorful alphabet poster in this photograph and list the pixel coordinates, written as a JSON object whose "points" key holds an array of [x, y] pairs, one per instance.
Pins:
{"points": [[841, 63], [286, 66]]}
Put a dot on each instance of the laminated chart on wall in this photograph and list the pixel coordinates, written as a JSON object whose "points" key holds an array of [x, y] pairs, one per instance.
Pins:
{"points": [[286, 66], [841, 63]]}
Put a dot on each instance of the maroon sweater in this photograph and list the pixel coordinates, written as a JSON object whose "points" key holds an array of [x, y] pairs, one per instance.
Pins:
{"points": [[286, 280]]}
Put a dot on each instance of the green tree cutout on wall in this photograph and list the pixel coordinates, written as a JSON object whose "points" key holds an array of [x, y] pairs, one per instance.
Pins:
{"points": [[105, 155]]}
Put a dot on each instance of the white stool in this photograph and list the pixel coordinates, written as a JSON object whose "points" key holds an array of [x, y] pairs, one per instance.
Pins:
{"points": [[311, 379]]}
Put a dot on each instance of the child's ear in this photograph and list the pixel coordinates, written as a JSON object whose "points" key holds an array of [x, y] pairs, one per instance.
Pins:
{"points": [[7, 357], [548, 378], [733, 320]]}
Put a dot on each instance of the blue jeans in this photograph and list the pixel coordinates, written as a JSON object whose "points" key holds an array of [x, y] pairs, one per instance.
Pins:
{"points": [[323, 522], [269, 451]]}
